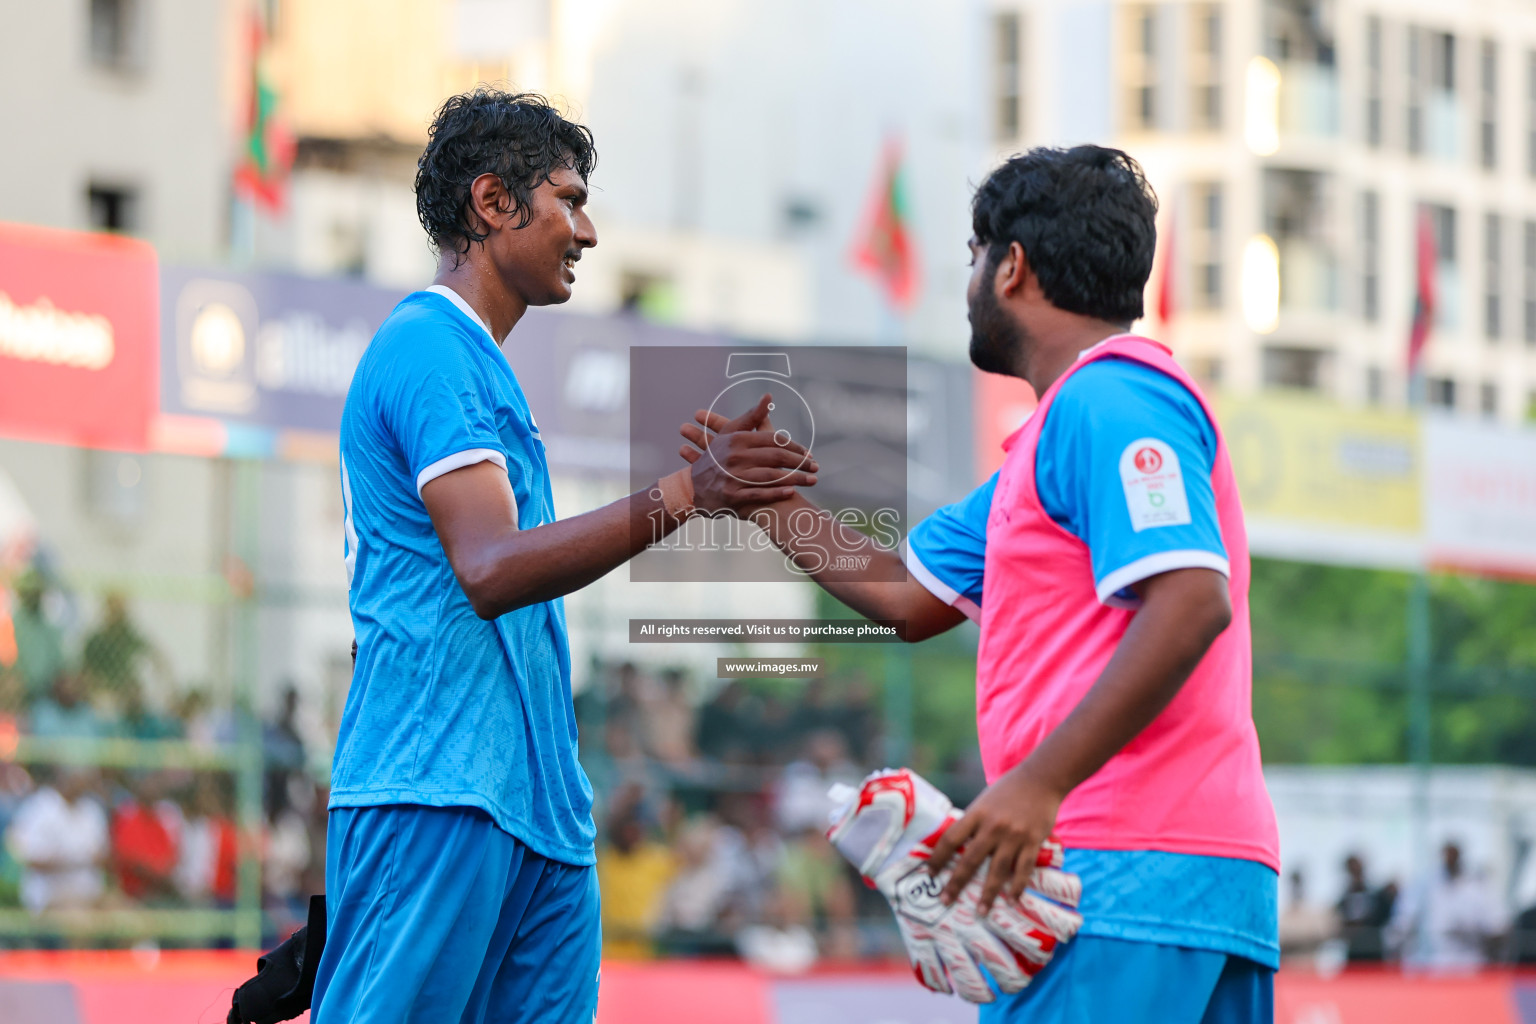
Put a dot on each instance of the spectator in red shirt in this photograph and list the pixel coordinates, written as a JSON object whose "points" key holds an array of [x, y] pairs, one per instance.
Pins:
{"points": [[144, 844]]}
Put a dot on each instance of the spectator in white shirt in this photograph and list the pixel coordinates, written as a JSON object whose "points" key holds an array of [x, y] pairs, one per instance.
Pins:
{"points": [[1446, 921], [59, 836]]}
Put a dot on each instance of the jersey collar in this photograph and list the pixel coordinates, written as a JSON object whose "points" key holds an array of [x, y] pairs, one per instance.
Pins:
{"points": [[463, 307]]}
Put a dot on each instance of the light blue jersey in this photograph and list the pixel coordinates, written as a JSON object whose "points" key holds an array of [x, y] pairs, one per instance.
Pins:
{"points": [[446, 709], [1099, 417], [1096, 418]]}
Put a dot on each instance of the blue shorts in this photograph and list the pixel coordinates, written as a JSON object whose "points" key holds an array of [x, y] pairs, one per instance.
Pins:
{"points": [[435, 914], [1095, 980]]}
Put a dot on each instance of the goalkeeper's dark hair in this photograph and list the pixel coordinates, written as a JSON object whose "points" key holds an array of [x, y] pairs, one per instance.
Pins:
{"points": [[1087, 220], [519, 137]]}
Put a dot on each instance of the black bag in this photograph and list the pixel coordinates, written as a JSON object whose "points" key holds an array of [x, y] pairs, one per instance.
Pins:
{"points": [[285, 978]]}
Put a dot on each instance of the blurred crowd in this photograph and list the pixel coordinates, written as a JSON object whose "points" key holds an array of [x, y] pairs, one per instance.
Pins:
{"points": [[79, 835], [1448, 919], [712, 834]]}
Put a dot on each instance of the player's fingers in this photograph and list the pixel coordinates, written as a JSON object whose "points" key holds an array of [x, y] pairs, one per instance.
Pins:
{"points": [[769, 477], [1023, 870], [768, 456], [999, 874], [690, 453], [711, 420], [771, 440], [953, 838], [965, 868], [752, 418], [696, 434]]}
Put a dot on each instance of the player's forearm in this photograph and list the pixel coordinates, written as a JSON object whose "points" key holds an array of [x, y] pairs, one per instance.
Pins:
{"points": [[813, 538], [1182, 615], [523, 567]]}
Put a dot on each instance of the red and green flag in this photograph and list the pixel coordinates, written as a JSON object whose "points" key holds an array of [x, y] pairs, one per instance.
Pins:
{"points": [[884, 246], [1424, 292], [267, 156]]}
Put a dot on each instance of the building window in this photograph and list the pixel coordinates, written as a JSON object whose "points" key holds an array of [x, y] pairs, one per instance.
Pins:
{"points": [[1205, 245], [1205, 69], [1375, 385], [1300, 215], [1488, 104], [1488, 399], [1530, 113], [112, 207], [1295, 368], [1141, 68], [1373, 82], [1528, 283], [1007, 115], [1441, 128], [1415, 123], [1447, 280], [1442, 62], [114, 39], [1493, 273], [1370, 256], [1441, 392]]}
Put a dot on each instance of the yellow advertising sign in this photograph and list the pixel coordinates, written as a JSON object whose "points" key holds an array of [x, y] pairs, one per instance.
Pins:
{"points": [[1311, 463]]}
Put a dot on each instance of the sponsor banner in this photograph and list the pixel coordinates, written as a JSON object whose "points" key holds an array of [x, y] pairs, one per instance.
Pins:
{"points": [[1480, 497], [269, 351], [78, 337], [1321, 482], [138, 987]]}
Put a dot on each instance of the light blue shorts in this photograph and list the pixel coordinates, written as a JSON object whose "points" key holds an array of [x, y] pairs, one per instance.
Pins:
{"points": [[435, 914], [1095, 980]]}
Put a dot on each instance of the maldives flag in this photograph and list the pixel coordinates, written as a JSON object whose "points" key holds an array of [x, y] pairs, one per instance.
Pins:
{"points": [[1424, 295], [262, 175], [884, 245]]}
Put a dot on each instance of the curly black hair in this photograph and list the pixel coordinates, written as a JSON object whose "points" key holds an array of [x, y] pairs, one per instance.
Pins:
{"points": [[519, 137], [1087, 220]]}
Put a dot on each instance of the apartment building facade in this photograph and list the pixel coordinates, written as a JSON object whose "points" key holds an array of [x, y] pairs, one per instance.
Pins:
{"points": [[1297, 148]]}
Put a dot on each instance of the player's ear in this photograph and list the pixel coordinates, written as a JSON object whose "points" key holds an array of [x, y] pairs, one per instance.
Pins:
{"points": [[490, 203], [1012, 271]]}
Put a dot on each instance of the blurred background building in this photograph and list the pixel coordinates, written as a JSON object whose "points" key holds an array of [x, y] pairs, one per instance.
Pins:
{"points": [[791, 172]]}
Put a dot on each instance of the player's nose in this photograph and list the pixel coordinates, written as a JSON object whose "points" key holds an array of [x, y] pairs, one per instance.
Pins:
{"points": [[586, 231]]}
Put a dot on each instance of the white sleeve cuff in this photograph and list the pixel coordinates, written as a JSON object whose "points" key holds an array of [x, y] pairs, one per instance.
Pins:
{"points": [[937, 587], [458, 460], [1152, 565]]}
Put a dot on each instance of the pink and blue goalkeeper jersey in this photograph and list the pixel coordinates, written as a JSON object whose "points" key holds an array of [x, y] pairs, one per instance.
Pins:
{"points": [[446, 709], [1224, 904]]}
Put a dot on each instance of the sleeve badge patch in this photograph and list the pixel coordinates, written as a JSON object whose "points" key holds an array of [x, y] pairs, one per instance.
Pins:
{"points": [[1154, 486]]}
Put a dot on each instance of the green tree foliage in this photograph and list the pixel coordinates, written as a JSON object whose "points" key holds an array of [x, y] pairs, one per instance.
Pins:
{"points": [[1330, 670], [1331, 675]]}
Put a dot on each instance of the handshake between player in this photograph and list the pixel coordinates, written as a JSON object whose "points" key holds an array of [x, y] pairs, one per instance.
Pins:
{"points": [[888, 827]]}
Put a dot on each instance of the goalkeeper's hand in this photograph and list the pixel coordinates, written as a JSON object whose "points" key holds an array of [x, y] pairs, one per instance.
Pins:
{"points": [[888, 827]]}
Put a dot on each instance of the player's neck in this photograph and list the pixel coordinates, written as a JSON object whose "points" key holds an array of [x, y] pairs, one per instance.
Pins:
{"points": [[477, 283], [1058, 346]]}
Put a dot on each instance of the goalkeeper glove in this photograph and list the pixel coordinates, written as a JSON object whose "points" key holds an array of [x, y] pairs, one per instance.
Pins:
{"points": [[888, 827]]}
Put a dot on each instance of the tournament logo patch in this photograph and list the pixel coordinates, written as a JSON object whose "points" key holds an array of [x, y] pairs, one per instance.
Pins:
{"points": [[1154, 486]]}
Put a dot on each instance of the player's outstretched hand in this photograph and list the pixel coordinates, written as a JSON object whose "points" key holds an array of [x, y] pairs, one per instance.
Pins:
{"points": [[748, 464], [888, 829]]}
